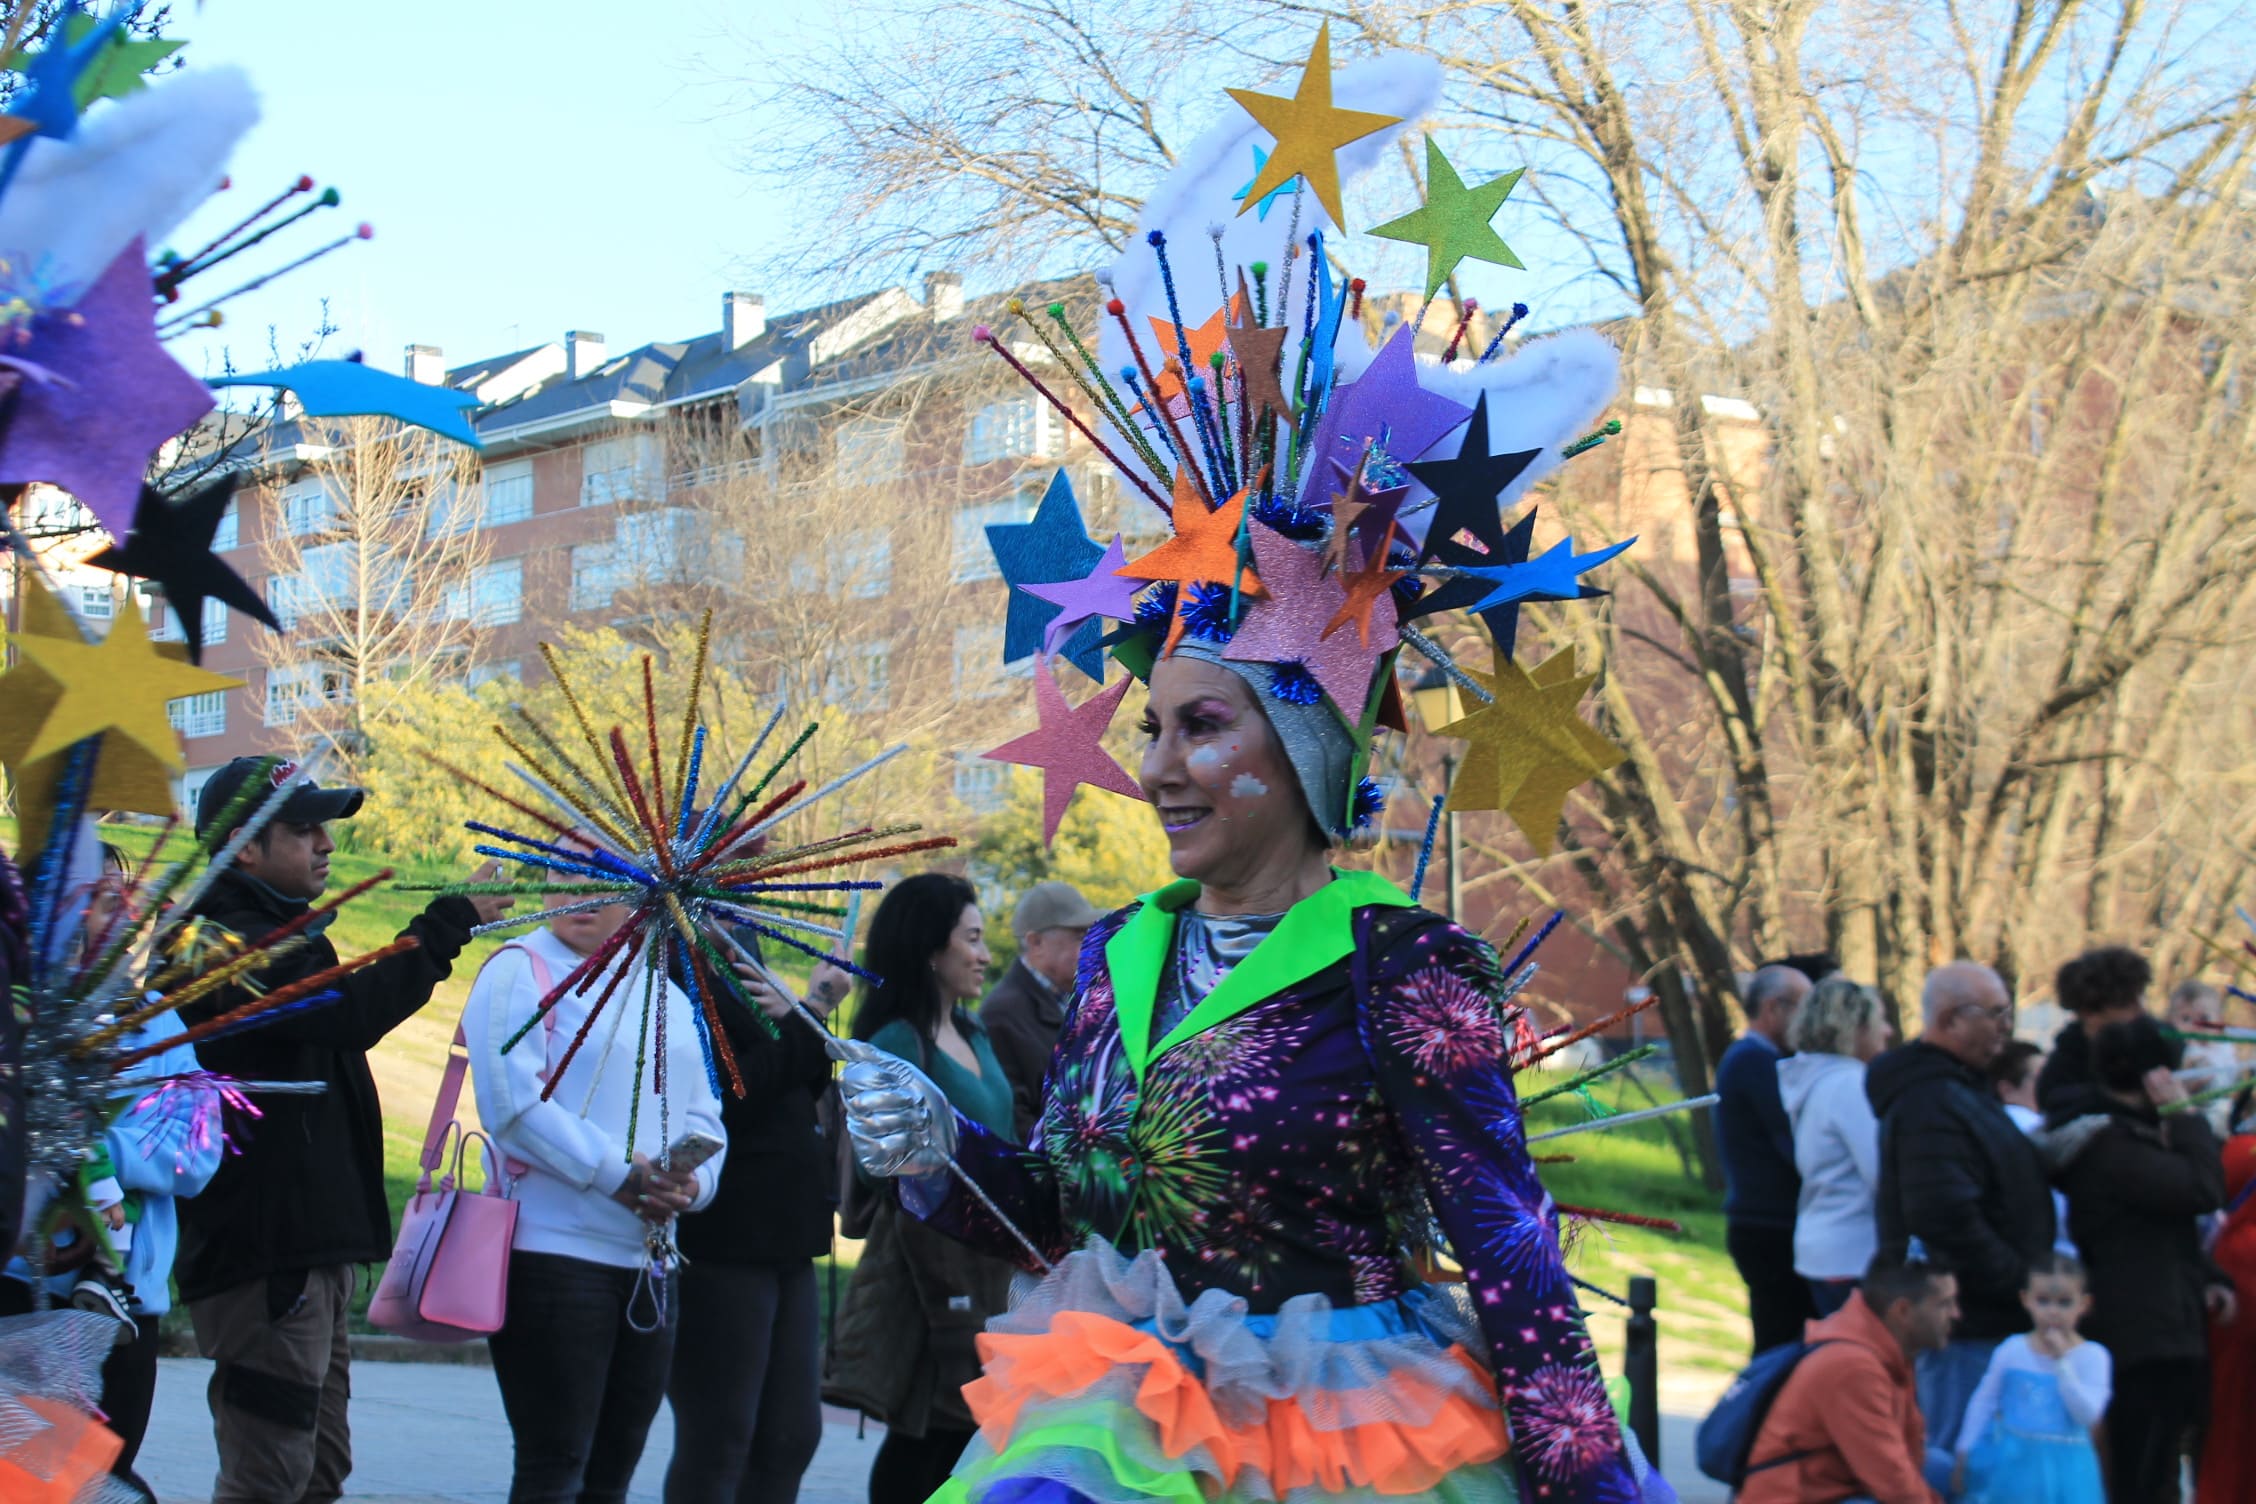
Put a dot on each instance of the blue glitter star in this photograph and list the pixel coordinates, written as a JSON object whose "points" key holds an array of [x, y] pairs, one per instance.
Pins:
{"points": [[1268, 200], [1054, 546]]}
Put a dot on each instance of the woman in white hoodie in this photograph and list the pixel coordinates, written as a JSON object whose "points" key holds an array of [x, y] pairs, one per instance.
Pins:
{"points": [[1842, 1024], [583, 1357]]}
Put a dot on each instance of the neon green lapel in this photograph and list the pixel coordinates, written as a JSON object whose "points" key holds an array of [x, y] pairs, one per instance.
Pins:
{"points": [[1313, 934]]}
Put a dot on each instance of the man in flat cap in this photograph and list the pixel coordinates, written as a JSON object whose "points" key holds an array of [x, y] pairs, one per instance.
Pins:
{"points": [[1027, 1005]]}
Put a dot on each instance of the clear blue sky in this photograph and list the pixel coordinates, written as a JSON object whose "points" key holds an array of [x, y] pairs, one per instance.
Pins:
{"points": [[528, 168]]}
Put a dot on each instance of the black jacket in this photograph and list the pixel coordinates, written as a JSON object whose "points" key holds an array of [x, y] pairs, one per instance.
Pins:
{"points": [[307, 1192], [1956, 1174], [1022, 1018], [2067, 1075], [779, 1184], [2138, 1184]]}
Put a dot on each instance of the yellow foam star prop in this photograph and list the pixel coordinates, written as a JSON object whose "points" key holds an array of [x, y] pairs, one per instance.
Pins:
{"points": [[117, 689], [1308, 131], [1530, 749]]}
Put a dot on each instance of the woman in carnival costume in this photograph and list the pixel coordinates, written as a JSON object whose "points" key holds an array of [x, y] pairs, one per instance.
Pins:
{"points": [[1281, 1086]]}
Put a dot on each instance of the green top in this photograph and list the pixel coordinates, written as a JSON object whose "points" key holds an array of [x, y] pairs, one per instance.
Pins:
{"points": [[984, 1098]]}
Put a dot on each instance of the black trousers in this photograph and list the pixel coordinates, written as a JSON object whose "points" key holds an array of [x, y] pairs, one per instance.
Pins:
{"points": [[579, 1381], [129, 1383], [746, 1384], [910, 1469], [2155, 1415], [1778, 1299]]}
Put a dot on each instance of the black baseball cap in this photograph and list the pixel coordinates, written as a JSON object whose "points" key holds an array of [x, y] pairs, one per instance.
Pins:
{"points": [[308, 804]]}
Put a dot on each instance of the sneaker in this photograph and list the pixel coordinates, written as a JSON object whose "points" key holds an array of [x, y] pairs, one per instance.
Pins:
{"points": [[93, 1295]]}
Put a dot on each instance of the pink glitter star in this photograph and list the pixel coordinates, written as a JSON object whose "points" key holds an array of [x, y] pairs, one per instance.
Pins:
{"points": [[1069, 746]]}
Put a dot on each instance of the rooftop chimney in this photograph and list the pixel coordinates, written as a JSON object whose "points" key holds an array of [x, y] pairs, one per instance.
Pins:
{"points": [[426, 364], [943, 295], [744, 318], [583, 353]]}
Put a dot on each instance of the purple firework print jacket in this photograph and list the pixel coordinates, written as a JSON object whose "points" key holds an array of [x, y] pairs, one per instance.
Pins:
{"points": [[1276, 1143]]}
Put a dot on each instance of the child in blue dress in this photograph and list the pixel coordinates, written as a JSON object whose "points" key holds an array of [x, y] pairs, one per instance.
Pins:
{"points": [[2027, 1437]]}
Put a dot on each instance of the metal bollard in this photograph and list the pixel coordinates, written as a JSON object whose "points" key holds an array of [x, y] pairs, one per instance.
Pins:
{"points": [[1641, 1365]]}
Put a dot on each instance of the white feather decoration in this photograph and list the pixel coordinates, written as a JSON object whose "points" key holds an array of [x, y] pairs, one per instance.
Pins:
{"points": [[1543, 397], [135, 168]]}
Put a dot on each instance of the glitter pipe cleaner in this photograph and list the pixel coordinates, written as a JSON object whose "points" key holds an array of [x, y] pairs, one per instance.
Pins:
{"points": [[178, 325], [829, 788], [1118, 409], [537, 776], [645, 802], [47, 884], [1621, 1062], [697, 665], [1590, 441], [744, 801], [1426, 847], [1097, 398], [1439, 657], [280, 997], [727, 789], [304, 184], [743, 828], [1626, 1219], [548, 863], [1465, 314], [628, 940], [611, 898], [1541, 935], [743, 912], [1219, 389], [587, 728], [1202, 420], [1153, 399], [1519, 312], [988, 337], [1625, 1119], [661, 817], [182, 271], [706, 1030], [1157, 240], [1599, 1026], [613, 866], [615, 975], [228, 971], [601, 786], [1150, 402], [697, 949], [883, 853], [752, 866], [267, 1016], [689, 786], [856, 1051]]}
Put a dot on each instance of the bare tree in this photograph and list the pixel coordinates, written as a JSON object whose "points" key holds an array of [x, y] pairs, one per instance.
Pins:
{"points": [[375, 562]]}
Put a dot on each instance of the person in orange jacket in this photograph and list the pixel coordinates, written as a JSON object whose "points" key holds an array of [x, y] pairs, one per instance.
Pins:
{"points": [[1846, 1424], [2228, 1452]]}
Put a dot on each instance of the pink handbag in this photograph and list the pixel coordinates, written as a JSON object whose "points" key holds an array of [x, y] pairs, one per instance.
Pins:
{"points": [[448, 1279]]}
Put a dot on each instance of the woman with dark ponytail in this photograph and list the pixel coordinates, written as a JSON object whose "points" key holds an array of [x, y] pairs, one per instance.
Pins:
{"points": [[919, 1299]]}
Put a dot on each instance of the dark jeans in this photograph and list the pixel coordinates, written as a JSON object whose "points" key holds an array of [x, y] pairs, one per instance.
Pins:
{"points": [[129, 1383], [745, 1385], [1778, 1299], [578, 1382], [910, 1469], [2157, 1411]]}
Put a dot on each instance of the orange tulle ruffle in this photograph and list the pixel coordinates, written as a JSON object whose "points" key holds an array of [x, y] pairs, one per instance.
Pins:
{"points": [[1389, 1457], [55, 1466]]}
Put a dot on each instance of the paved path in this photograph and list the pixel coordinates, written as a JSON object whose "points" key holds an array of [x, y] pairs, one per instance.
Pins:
{"points": [[427, 1433]]}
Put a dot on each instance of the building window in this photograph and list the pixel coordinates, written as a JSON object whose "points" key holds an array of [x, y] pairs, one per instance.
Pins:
{"points": [[96, 602], [500, 668], [859, 678], [167, 625], [979, 669], [594, 577], [509, 493], [199, 715], [497, 595], [869, 450], [983, 787], [655, 547], [229, 531], [624, 469], [974, 560], [861, 565], [307, 507], [1018, 428], [302, 686], [283, 593]]}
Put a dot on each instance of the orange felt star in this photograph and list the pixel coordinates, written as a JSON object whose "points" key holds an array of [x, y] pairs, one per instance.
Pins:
{"points": [[1308, 131], [1204, 550], [1366, 587], [1206, 341]]}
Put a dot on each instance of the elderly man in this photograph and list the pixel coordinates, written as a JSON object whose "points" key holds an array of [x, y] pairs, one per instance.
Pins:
{"points": [[1024, 1009], [1761, 1186], [1956, 1174]]}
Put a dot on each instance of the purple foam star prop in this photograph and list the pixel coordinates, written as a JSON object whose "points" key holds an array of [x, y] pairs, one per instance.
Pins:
{"points": [[1287, 625], [1069, 746], [117, 397], [1386, 398], [1102, 593]]}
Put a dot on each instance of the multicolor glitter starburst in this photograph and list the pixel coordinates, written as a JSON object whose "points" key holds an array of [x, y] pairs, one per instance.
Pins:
{"points": [[1562, 1421], [1446, 1026], [1177, 1151]]}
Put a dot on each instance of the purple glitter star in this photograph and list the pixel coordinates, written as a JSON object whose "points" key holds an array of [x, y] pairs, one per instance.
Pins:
{"points": [[1387, 397], [1101, 593]]}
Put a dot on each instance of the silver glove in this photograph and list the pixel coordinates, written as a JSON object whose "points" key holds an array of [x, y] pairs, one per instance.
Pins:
{"points": [[898, 1121]]}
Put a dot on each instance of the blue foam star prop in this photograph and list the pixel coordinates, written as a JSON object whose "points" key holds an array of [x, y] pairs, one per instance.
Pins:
{"points": [[1331, 308], [1054, 546], [1554, 575], [346, 388], [51, 77], [1267, 201]]}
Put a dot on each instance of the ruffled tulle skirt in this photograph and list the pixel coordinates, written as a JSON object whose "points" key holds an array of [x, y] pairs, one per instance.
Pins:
{"points": [[1102, 1386]]}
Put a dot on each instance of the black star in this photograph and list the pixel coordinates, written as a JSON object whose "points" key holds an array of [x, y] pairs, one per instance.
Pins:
{"points": [[170, 545]]}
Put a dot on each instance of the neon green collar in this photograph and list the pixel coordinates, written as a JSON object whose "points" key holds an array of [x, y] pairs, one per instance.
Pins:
{"points": [[1313, 934]]}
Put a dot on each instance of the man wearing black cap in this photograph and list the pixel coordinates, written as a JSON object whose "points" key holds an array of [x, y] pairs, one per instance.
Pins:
{"points": [[267, 1252]]}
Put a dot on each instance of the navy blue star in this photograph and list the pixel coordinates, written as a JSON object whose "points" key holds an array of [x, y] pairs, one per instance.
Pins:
{"points": [[1465, 502], [170, 545], [1055, 546]]}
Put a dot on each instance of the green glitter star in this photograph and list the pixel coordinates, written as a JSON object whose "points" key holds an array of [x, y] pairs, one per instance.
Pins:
{"points": [[1453, 223]]}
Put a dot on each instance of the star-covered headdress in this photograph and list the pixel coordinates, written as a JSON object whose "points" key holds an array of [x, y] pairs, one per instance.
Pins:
{"points": [[1322, 498]]}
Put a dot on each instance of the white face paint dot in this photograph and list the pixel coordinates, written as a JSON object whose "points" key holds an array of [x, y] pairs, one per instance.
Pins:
{"points": [[1246, 786]]}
